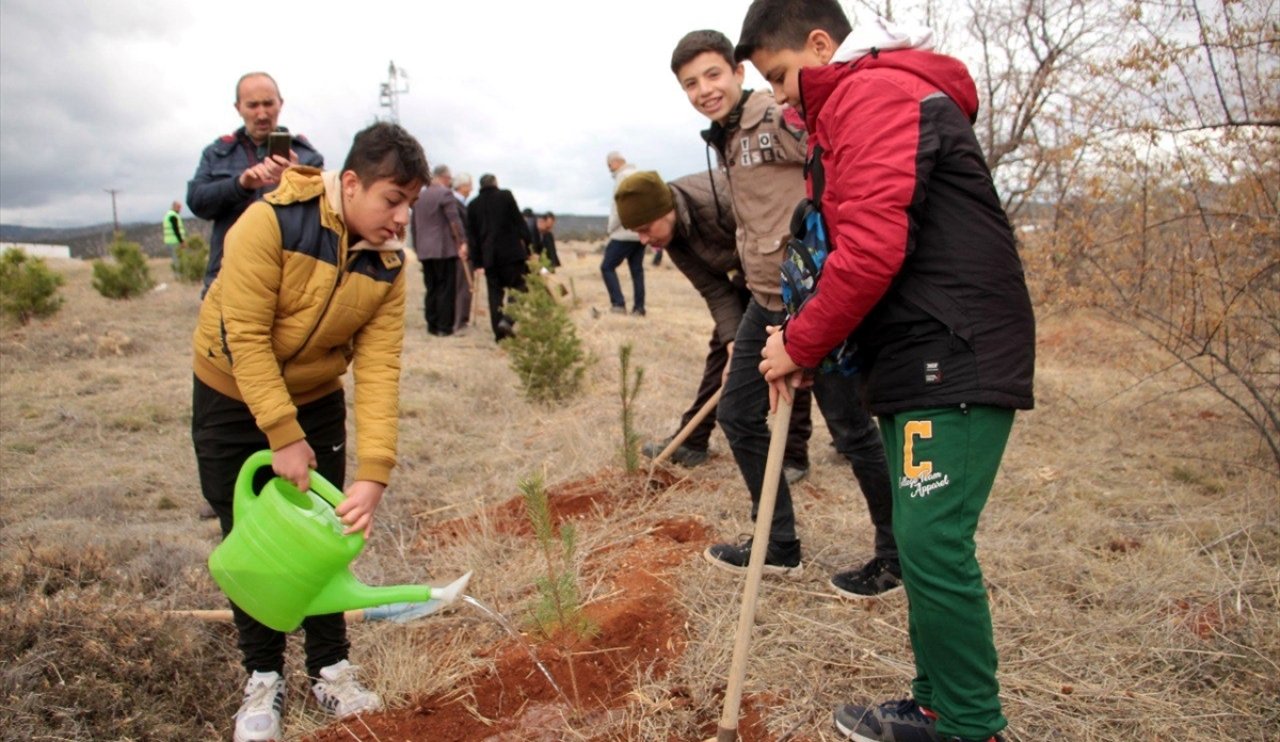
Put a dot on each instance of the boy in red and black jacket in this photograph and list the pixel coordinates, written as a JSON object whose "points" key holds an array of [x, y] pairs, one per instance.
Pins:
{"points": [[924, 274]]}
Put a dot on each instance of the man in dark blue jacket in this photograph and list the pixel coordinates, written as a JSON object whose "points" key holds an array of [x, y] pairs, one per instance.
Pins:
{"points": [[236, 170]]}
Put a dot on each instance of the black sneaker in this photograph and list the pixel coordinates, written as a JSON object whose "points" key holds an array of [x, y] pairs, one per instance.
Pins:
{"points": [[876, 577], [895, 721], [780, 559], [683, 455], [506, 329]]}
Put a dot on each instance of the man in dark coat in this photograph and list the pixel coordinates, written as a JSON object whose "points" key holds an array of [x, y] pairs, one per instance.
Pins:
{"points": [[499, 235]]}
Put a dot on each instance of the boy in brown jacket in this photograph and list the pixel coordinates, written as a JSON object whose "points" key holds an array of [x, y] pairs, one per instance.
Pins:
{"points": [[762, 148]]}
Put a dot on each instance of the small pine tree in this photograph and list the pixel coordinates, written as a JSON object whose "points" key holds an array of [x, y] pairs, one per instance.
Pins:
{"points": [[128, 276], [545, 353], [630, 388], [28, 288], [193, 259], [559, 604]]}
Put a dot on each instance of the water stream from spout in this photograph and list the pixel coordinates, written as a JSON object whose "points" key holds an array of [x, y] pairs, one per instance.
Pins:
{"points": [[504, 623]]}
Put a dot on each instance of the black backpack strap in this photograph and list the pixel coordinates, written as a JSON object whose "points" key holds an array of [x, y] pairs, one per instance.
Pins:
{"points": [[814, 173]]}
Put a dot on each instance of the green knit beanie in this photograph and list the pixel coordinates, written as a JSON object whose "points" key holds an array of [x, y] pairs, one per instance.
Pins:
{"points": [[642, 198]]}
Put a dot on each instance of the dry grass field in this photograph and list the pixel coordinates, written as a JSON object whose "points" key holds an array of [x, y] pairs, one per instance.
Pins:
{"points": [[1131, 545]]}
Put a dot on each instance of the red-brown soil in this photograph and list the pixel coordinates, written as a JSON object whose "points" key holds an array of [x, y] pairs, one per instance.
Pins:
{"points": [[640, 629]]}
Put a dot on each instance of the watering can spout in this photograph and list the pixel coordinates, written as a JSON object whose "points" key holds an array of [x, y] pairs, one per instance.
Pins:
{"points": [[344, 593]]}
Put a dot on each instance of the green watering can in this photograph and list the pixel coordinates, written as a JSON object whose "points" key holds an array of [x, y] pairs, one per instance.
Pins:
{"points": [[286, 557]]}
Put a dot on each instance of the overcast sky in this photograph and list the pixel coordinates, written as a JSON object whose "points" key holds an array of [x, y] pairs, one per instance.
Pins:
{"points": [[125, 95]]}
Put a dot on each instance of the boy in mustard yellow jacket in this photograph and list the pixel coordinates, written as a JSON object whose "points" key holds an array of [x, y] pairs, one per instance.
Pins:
{"points": [[311, 283]]}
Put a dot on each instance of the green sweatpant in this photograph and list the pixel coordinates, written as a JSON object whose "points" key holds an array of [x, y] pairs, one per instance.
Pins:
{"points": [[942, 463]]}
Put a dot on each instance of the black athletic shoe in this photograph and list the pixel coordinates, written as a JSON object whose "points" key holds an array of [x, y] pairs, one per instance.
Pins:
{"points": [[876, 577], [780, 559], [505, 329], [895, 721], [683, 455]]}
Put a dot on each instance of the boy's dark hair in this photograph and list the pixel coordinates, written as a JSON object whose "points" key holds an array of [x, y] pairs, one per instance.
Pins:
{"points": [[548, 215], [385, 150], [786, 24], [488, 180], [699, 42]]}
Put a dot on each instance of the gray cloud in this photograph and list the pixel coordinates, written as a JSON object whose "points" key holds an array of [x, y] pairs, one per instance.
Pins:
{"points": [[126, 95]]}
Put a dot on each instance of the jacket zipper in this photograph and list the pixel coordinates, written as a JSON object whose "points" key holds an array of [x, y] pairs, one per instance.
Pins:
{"points": [[320, 317]]}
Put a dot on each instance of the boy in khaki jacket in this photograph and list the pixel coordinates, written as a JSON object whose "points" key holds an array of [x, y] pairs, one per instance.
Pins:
{"points": [[762, 148]]}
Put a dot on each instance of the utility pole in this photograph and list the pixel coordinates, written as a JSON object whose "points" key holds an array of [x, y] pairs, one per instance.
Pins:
{"points": [[115, 219], [396, 84]]}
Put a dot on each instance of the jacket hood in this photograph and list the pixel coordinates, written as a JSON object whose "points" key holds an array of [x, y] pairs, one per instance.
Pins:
{"points": [[947, 74], [298, 183], [881, 35]]}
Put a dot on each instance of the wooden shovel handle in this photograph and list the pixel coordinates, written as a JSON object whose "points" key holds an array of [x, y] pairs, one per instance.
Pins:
{"points": [[686, 431], [728, 730]]}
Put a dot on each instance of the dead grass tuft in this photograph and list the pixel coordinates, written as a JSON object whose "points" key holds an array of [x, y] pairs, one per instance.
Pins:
{"points": [[79, 667]]}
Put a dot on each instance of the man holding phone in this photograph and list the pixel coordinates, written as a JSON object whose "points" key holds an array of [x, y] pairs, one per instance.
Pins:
{"points": [[238, 168]]}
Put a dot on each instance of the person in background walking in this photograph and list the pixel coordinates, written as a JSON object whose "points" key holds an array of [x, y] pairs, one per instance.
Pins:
{"points": [[499, 235], [623, 245]]}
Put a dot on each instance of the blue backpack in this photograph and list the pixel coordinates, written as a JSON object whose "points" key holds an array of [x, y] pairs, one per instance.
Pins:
{"points": [[807, 251]]}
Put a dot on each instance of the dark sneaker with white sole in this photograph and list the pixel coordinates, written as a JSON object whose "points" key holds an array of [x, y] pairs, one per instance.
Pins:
{"points": [[780, 559], [894, 721], [683, 455], [875, 578]]}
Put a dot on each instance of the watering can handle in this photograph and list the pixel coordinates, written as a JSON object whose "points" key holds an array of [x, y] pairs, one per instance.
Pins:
{"points": [[319, 485]]}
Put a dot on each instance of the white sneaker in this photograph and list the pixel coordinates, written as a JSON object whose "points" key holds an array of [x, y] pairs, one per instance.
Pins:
{"points": [[258, 719], [340, 693]]}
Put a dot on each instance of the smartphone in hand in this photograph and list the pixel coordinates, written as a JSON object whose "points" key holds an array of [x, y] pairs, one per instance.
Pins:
{"points": [[278, 143]]}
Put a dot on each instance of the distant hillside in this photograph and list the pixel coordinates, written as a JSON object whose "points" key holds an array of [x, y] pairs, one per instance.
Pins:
{"points": [[91, 241], [585, 228]]}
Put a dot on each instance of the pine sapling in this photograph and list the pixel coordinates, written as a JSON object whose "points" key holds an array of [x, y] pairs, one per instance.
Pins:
{"points": [[559, 609], [127, 275], [193, 258], [630, 388], [545, 353], [28, 288]]}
